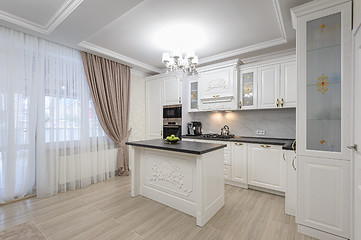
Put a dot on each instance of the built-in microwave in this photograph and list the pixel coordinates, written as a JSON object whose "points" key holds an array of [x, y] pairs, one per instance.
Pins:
{"points": [[172, 111]]}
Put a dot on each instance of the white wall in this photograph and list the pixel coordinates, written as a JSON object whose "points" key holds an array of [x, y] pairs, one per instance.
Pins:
{"points": [[137, 108], [356, 12], [277, 123]]}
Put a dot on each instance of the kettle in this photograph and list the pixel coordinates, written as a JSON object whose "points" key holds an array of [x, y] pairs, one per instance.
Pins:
{"points": [[225, 130]]}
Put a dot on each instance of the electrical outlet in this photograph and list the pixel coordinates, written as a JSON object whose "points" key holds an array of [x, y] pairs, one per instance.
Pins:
{"points": [[261, 132]]}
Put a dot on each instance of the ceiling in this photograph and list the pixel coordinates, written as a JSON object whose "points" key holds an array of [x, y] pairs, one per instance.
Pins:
{"points": [[126, 30]]}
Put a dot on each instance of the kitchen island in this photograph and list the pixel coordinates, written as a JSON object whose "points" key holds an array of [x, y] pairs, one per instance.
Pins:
{"points": [[186, 176]]}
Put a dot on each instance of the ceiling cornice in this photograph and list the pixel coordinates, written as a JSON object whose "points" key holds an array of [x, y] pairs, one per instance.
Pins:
{"points": [[121, 58], [240, 51], [59, 16], [277, 7]]}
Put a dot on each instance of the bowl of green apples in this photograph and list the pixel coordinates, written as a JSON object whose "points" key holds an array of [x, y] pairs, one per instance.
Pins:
{"points": [[172, 139]]}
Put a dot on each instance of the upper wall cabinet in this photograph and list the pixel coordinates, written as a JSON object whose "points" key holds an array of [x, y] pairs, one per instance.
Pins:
{"points": [[269, 86], [248, 89], [193, 95], [218, 87], [288, 94], [172, 90]]}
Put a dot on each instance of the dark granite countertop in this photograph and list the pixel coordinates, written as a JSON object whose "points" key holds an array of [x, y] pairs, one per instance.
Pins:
{"points": [[181, 146], [285, 142]]}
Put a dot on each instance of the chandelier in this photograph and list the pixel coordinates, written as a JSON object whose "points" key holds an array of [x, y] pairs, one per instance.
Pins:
{"points": [[174, 62]]}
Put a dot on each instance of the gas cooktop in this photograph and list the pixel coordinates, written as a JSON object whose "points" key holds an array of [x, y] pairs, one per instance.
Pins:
{"points": [[217, 136]]}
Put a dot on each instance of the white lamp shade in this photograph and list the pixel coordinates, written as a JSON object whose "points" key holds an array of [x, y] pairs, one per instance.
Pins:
{"points": [[195, 60], [165, 57], [190, 54]]}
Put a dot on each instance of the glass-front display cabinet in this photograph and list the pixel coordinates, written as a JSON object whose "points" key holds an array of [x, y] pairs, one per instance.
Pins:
{"points": [[324, 78], [193, 97], [248, 89]]}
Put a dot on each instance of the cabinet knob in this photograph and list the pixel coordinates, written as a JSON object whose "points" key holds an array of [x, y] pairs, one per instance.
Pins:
{"points": [[239, 144], [217, 95], [284, 156], [282, 102], [240, 104], [277, 102], [161, 133], [180, 100]]}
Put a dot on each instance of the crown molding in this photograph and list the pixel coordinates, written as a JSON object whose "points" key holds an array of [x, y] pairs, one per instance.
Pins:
{"points": [[229, 63], [277, 7], [138, 73], [121, 58], [63, 12], [314, 6], [288, 53], [58, 17], [243, 50]]}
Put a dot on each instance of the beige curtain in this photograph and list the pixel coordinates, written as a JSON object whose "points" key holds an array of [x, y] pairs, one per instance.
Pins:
{"points": [[109, 84]]}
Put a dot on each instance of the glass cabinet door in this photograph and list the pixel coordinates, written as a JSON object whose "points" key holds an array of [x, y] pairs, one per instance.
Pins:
{"points": [[323, 83], [248, 88], [193, 96]]}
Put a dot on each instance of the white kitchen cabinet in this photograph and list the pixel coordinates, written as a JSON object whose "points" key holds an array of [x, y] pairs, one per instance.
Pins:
{"points": [[227, 172], [269, 86], [291, 182], [154, 108], [218, 86], [248, 89], [323, 126], [266, 168], [193, 94], [239, 163], [172, 90], [324, 194], [288, 94]]}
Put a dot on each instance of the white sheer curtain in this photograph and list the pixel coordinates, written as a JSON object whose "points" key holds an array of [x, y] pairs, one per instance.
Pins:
{"points": [[50, 139], [17, 114]]}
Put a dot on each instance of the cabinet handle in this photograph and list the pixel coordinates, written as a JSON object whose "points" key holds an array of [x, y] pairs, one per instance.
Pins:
{"points": [[216, 95], [293, 145], [240, 104], [284, 156], [277, 102], [239, 144], [293, 163], [282, 102], [180, 100], [161, 133], [265, 146]]}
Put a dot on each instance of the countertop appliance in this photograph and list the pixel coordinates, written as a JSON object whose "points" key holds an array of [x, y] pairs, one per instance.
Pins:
{"points": [[172, 121], [194, 128], [225, 130]]}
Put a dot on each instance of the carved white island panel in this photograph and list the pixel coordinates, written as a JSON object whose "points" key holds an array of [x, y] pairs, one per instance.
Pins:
{"points": [[191, 183]]}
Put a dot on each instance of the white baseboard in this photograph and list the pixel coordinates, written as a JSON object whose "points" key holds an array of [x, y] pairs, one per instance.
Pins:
{"points": [[317, 233]]}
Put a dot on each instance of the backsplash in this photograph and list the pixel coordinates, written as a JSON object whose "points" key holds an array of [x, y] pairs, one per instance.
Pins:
{"points": [[278, 123]]}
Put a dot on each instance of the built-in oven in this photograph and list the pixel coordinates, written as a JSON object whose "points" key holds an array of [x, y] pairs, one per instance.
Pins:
{"points": [[169, 130], [172, 120]]}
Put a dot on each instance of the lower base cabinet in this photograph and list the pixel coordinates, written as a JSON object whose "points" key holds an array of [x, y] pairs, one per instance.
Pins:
{"points": [[266, 168], [323, 201], [239, 163]]}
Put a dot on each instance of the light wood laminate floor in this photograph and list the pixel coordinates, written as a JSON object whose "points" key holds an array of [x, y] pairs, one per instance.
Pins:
{"points": [[106, 211]]}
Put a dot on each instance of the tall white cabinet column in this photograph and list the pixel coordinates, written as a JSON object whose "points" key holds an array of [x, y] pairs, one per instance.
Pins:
{"points": [[323, 117]]}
